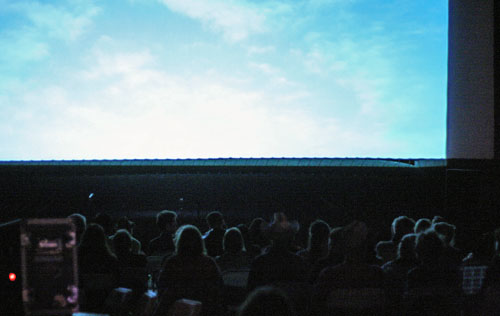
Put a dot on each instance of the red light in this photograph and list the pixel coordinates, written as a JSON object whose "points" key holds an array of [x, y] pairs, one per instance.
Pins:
{"points": [[12, 277]]}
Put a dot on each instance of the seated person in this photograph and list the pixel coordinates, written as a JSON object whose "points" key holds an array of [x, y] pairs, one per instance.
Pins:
{"points": [[234, 257], [433, 285], [190, 273], [253, 250], [278, 264], [167, 223], [401, 226], [96, 265], [317, 245], [353, 273], [385, 252], [80, 222], [132, 266], [128, 225], [213, 237], [396, 271], [438, 219], [422, 225], [335, 255], [451, 254], [94, 256], [122, 242], [255, 234], [106, 222]]}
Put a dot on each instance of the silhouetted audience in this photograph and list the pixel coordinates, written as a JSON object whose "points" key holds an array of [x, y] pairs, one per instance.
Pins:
{"points": [[252, 249], [126, 224], [235, 256], [422, 271], [132, 266], [401, 226], [190, 273], [95, 260], [106, 222], [353, 273], [438, 219], [476, 268], [167, 223], [317, 244], [433, 286], [80, 223], [385, 251], [422, 225], [396, 271], [122, 242], [335, 255], [255, 233], [94, 255], [266, 301], [278, 265], [451, 254], [213, 237]]}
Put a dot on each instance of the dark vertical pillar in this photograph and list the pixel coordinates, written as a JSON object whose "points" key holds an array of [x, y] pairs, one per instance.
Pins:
{"points": [[470, 118], [496, 36]]}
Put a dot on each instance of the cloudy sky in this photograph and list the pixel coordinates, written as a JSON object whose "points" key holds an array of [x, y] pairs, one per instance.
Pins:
{"points": [[119, 79]]}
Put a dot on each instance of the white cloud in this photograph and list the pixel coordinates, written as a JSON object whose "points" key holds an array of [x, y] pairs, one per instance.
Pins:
{"points": [[36, 28], [66, 23], [258, 50], [140, 111], [235, 19], [264, 68]]}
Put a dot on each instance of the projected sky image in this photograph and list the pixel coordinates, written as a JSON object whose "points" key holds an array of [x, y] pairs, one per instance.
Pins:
{"points": [[222, 78]]}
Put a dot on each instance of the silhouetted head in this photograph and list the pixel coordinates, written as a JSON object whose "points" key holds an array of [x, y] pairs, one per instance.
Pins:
{"points": [[80, 223], [385, 251], [401, 226], [94, 239], [255, 232], [166, 220], [446, 232], [215, 220], [429, 247], [244, 232], [188, 241], [438, 219], [124, 223], [337, 240], [422, 225], [266, 301], [280, 230], [406, 247], [319, 233], [233, 241], [122, 241]]}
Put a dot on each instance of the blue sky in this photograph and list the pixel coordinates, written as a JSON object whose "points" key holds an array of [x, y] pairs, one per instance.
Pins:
{"points": [[222, 78]]}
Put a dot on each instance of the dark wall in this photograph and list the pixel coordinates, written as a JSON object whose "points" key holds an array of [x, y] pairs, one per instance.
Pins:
{"points": [[466, 192], [338, 195]]}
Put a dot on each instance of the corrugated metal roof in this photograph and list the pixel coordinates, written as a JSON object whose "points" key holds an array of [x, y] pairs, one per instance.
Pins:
{"points": [[241, 162]]}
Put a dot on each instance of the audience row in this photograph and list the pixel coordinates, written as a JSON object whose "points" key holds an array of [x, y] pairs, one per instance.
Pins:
{"points": [[420, 270]]}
